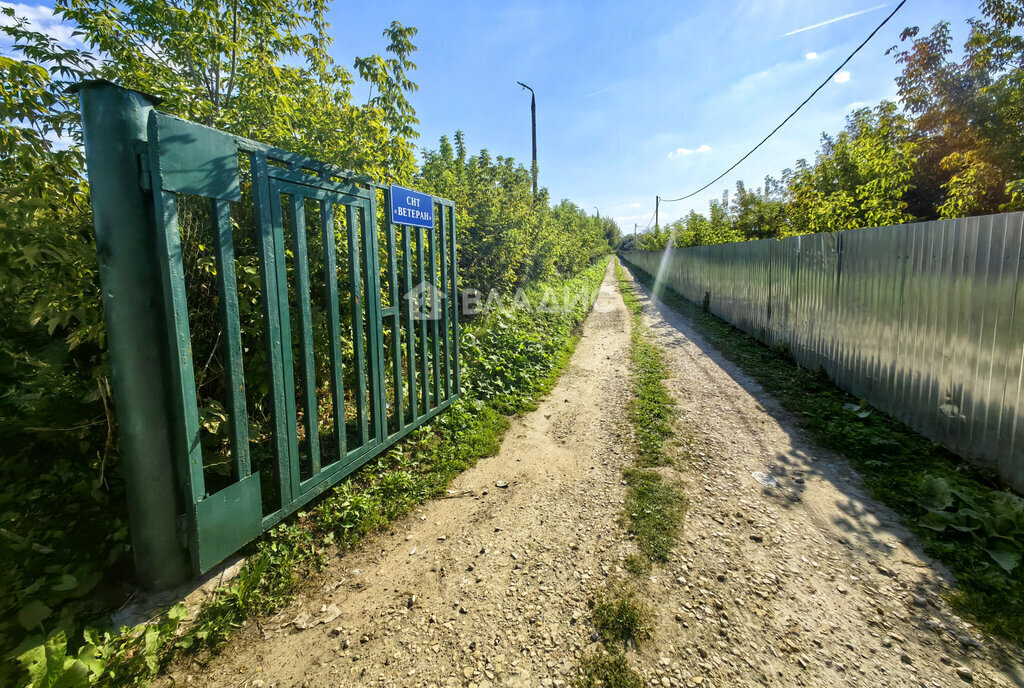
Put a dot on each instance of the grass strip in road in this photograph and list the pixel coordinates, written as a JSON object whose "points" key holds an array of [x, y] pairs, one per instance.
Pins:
{"points": [[654, 512], [607, 670], [962, 516], [620, 618], [650, 410], [655, 507]]}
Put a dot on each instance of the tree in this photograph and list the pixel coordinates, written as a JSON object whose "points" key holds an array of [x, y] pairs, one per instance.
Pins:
{"points": [[968, 114], [260, 69], [860, 178], [513, 238]]}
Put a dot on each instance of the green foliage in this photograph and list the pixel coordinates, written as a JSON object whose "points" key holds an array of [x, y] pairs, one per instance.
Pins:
{"points": [[261, 70], [860, 178], [620, 618], [131, 657], [995, 521], [515, 346], [962, 516], [57, 431], [607, 670], [515, 238], [651, 407], [656, 508]]}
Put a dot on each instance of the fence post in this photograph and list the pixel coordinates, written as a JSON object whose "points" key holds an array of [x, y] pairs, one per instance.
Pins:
{"points": [[114, 122]]}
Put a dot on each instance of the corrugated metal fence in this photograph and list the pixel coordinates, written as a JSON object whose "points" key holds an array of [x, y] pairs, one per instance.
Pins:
{"points": [[925, 321]]}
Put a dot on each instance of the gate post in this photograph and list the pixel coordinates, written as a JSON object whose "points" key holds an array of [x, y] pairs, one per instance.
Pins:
{"points": [[114, 122]]}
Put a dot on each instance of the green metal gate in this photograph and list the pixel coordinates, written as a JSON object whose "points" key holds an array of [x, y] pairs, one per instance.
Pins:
{"points": [[359, 344]]}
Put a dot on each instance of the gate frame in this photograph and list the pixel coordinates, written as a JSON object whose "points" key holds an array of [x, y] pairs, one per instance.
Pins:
{"points": [[138, 245]]}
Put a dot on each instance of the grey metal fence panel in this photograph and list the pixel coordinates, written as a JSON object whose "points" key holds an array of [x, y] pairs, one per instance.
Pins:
{"points": [[924, 321]]}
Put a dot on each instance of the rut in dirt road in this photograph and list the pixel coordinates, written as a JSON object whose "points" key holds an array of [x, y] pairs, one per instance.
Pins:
{"points": [[489, 587], [810, 582]]}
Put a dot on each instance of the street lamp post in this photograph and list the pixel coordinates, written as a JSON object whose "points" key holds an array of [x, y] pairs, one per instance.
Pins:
{"points": [[533, 119]]}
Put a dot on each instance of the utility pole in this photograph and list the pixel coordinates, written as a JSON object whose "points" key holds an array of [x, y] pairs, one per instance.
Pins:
{"points": [[657, 202], [533, 119], [635, 225]]}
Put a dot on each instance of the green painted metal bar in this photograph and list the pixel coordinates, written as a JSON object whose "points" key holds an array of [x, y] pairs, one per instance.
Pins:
{"points": [[269, 258], [455, 302], [375, 354], [114, 123], [334, 325], [289, 462], [396, 321], [435, 324], [172, 274], [357, 458], [227, 290], [302, 294], [445, 319], [358, 345], [410, 331], [424, 360], [377, 357]]}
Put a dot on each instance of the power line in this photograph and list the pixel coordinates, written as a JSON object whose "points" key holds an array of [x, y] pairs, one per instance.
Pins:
{"points": [[790, 116], [649, 222]]}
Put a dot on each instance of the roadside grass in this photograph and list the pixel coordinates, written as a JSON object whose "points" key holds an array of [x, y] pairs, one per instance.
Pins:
{"points": [[607, 670], [620, 619], [509, 360], [650, 410], [961, 515], [656, 508]]}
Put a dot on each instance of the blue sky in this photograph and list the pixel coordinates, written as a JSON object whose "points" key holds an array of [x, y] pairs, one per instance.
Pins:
{"points": [[622, 85], [636, 100]]}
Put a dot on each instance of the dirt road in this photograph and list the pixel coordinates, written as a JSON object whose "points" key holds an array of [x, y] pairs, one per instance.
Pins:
{"points": [[805, 583]]}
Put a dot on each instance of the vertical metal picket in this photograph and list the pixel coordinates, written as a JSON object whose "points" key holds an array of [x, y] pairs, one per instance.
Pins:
{"points": [[334, 326], [424, 359], [449, 296], [228, 290]]}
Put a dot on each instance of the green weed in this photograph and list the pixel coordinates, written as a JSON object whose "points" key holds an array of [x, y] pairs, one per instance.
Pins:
{"points": [[620, 618], [656, 508], [607, 670], [638, 565]]}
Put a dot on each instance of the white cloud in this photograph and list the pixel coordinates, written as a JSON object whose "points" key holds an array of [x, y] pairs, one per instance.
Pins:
{"points": [[842, 77], [836, 19], [42, 19], [811, 56], [703, 148]]}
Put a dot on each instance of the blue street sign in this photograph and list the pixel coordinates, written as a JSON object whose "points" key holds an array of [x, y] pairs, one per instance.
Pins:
{"points": [[410, 207]]}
